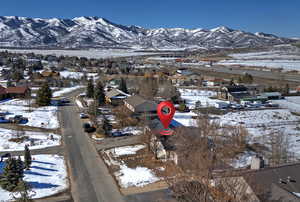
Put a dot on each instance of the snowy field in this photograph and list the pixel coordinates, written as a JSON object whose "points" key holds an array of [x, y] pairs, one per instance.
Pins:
{"points": [[257, 118], [76, 75], [91, 53], [266, 55], [126, 150], [286, 65], [129, 177], [191, 96], [63, 91], [39, 140], [185, 118], [262, 123], [137, 177], [44, 117], [47, 176], [291, 103], [133, 130]]}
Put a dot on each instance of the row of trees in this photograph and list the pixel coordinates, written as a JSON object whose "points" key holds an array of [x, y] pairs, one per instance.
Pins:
{"points": [[95, 92]]}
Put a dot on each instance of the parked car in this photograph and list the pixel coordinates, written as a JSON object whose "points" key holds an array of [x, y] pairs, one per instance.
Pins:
{"points": [[19, 119], [83, 116], [88, 128], [117, 134], [236, 106], [3, 120], [120, 134]]}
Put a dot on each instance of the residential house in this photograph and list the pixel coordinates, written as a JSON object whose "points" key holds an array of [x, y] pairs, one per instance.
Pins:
{"points": [[139, 105], [50, 74], [254, 89], [18, 92], [272, 95], [281, 183], [233, 93], [216, 82], [3, 94], [4, 83], [115, 96]]}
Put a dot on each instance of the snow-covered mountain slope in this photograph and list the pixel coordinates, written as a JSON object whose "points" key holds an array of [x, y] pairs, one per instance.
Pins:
{"points": [[99, 32]]}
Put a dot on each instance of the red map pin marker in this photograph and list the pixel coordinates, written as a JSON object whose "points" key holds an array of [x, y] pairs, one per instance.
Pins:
{"points": [[165, 111]]}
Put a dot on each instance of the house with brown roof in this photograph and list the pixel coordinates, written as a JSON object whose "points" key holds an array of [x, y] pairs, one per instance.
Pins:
{"points": [[3, 93], [50, 74], [18, 92]]}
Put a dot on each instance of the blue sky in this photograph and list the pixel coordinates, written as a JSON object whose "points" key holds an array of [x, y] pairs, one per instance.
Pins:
{"points": [[279, 17]]}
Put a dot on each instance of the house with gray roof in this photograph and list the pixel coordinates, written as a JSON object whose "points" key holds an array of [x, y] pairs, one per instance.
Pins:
{"points": [[115, 96], [139, 105]]}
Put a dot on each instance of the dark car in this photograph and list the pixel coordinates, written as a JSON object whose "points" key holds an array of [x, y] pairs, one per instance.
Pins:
{"points": [[19, 119], [88, 128], [120, 134], [117, 134]]}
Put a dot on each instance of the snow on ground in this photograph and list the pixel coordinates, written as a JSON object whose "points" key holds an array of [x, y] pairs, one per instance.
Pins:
{"points": [[129, 177], [284, 64], [262, 123], [186, 118], [45, 117], [130, 129], [139, 176], [291, 103], [40, 140], [63, 91], [76, 75], [126, 150], [191, 96], [265, 55], [243, 160], [79, 103], [47, 176], [256, 118], [91, 53]]}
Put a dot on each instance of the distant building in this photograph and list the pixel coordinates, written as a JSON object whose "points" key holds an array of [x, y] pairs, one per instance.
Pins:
{"points": [[52, 74], [272, 95], [216, 82], [233, 93]]}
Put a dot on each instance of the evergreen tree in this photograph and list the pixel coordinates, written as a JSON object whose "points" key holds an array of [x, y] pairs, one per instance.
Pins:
{"points": [[20, 167], [44, 95], [106, 126], [99, 93], [287, 89], [123, 86], [90, 89], [11, 175], [23, 190], [27, 157]]}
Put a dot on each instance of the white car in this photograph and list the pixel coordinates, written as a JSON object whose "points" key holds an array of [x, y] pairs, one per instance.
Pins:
{"points": [[83, 116]]}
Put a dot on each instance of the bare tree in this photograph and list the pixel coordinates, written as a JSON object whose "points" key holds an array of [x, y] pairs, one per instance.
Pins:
{"points": [[200, 152]]}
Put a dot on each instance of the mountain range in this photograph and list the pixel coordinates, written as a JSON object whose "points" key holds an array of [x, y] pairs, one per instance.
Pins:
{"points": [[82, 32]]}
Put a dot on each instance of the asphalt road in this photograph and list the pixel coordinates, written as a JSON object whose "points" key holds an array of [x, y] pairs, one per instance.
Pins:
{"points": [[90, 179]]}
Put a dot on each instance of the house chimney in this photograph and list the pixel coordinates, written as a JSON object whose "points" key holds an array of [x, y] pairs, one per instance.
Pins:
{"points": [[257, 162]]}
